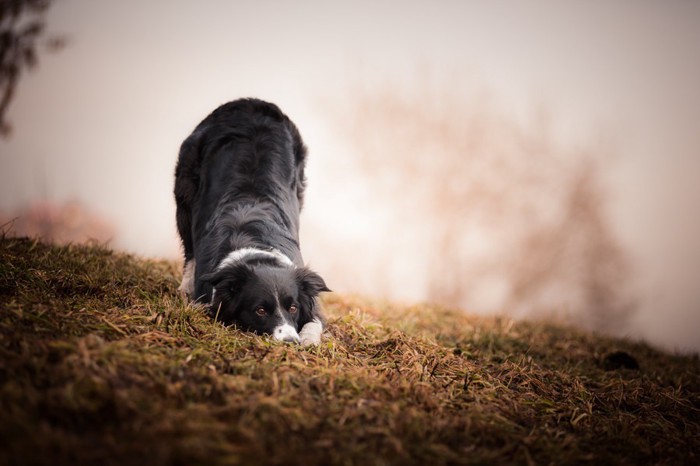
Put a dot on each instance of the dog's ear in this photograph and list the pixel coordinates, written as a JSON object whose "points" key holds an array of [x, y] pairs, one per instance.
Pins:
{"points": [[234, 277], [213, 278], [310, 282]]}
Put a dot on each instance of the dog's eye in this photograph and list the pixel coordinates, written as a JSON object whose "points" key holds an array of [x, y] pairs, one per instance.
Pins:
{"points": [[293, 309], [261, 312]]}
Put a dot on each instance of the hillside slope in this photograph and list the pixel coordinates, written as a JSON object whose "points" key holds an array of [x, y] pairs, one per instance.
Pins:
{"points": [[101, 362]]}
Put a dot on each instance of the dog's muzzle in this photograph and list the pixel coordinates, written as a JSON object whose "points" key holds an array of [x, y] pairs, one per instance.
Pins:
{"points": [[287, 333]]}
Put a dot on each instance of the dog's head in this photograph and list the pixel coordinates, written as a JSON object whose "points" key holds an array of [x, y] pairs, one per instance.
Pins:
{"points": [[265, 298]]}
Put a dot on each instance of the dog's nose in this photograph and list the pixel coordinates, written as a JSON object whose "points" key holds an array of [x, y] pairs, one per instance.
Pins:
{"points": [[291, 339]]}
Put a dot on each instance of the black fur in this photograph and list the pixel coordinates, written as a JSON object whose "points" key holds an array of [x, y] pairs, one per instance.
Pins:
{"points": [[239, 183]]}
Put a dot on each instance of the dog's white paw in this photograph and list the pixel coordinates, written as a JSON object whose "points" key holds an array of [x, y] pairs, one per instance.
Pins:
{"points": [[187, 286], [311, 333]]}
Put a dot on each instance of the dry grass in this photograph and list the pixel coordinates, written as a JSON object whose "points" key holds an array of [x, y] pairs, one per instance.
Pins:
{"points": [[101, 362]]}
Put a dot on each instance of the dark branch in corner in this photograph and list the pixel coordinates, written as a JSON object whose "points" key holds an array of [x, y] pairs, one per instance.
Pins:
{"points": [[22, 23]]}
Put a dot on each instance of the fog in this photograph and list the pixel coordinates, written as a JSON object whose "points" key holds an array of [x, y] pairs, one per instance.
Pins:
{"points": [[534, 160]]}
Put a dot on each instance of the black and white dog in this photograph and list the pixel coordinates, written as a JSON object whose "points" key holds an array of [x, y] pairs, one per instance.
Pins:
{"points": [[239, 187]]}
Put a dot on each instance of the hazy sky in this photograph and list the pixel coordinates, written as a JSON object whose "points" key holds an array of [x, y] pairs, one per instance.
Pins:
{"points": [[101, 121]]}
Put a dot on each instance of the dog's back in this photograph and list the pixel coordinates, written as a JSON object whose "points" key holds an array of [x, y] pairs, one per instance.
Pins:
{"points": [[240, 173], [239, 186]]}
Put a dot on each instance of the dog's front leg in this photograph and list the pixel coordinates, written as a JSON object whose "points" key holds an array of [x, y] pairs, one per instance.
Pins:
{"points": [[311, 333]]}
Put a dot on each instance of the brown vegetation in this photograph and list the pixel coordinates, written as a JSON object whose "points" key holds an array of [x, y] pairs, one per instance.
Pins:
{"points": [[101, 362]]}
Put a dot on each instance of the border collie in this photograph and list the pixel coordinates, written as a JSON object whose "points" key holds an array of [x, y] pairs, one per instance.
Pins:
{"points": [[239, 188]]}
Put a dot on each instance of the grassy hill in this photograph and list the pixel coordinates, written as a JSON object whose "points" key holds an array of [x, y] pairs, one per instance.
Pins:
{"points": [[102, 363]]}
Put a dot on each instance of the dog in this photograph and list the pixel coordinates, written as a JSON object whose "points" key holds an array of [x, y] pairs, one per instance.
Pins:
{"points": [[239, 189]]}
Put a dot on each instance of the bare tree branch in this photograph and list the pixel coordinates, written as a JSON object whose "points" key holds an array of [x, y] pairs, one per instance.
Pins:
{"points": [[22, 23]]}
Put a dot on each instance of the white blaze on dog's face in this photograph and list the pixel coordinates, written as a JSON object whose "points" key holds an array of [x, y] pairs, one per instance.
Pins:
{"points": [[285, 318], [265, 299]]}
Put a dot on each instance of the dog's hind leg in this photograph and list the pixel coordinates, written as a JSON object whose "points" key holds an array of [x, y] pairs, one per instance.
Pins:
{"points": [[183, 226], [187, 285], [186, 184]]}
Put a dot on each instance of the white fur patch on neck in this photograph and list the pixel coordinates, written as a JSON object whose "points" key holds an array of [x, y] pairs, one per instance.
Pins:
{"points": [[240, 255]]}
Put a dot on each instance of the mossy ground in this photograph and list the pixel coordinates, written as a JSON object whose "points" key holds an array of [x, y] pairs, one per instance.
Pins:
{"points": [[102, 363]]}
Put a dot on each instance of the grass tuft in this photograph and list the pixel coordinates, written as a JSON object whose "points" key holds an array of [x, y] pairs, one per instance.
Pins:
{"points": [[102, 362]]}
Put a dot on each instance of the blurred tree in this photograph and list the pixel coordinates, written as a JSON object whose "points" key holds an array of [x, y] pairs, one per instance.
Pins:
{"points": [[21, 24], [511, 220]]}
